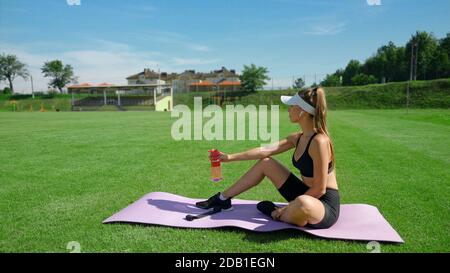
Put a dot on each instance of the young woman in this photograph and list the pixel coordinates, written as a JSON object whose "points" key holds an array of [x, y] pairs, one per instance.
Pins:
{"points": [[313, 199]]}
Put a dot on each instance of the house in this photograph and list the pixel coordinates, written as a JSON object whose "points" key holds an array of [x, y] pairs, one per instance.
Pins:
{"points": [[144, 77], [190, 80]]}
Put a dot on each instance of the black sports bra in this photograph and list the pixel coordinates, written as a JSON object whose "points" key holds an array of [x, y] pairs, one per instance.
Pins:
{"points": [[305, 162]]}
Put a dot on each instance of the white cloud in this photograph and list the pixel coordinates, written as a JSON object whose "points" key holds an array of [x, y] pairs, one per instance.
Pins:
{"points": [[112, 62], [326, 29], [131, 10], [201, 48], [374, 2], [324, 24], [33, 62], [170, 38], [184, 61], [103, 61]]}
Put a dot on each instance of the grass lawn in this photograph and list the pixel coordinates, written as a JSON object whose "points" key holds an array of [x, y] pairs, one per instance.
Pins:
{"points": [[63, 173]]}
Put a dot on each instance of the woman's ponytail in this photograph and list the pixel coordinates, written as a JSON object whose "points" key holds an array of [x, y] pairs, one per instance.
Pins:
{"points": [[320, 118]]}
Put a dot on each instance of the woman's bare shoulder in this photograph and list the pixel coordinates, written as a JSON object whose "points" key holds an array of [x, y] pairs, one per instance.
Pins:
{"points": [[321, 137], [320, 140]]}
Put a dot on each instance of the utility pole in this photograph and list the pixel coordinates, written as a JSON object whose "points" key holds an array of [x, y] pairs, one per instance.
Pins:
{"points": [[415, 60], [155, 93], [32, 87], [159, 73], [412, 71]]}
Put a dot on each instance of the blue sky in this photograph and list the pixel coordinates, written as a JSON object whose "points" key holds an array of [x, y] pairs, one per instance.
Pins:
{"points": [[108, 40]]}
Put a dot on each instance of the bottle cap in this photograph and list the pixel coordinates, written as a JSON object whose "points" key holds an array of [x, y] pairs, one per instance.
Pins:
{"points": [[215, 160]]}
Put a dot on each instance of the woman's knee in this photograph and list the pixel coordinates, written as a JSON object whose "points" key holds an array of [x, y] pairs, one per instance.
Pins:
{"points": [[274, 170], [304, 204], [311, 208], [295, 214], [266, 160], [299, 211]]}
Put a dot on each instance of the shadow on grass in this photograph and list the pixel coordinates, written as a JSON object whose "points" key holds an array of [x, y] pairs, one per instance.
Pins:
{"points": [[272, 236], [254, 236]]}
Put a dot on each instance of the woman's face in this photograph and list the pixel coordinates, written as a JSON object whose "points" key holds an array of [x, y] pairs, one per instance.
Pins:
{"points": [[294, 113]]}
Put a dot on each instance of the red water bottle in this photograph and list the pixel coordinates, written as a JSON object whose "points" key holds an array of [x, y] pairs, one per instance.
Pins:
{"points": [[216, 169]]}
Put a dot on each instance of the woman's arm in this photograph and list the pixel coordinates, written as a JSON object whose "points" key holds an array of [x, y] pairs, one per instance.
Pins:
{"points": [[320, 156], [260, 153]]}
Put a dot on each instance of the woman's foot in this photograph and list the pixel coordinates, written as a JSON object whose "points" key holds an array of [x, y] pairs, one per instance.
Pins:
{"points": [[215, 202], [267, 208]]}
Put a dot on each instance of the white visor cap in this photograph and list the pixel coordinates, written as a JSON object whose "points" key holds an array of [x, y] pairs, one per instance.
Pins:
{"points": [[297, 100]]}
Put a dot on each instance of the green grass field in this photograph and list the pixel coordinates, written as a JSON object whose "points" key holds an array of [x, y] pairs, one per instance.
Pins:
{"points": [[63, 173]]}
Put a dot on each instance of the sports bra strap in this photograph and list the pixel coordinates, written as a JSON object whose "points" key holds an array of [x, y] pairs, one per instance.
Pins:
{"points": [[309, 142]]}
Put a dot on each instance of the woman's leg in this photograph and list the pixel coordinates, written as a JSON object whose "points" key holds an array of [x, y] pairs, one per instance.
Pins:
{"points": [[302, 210], [274, 170]]}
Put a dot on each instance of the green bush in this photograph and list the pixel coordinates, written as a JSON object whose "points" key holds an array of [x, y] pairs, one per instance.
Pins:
{"points": [[363, 79], [423, 94], [6, 91]]}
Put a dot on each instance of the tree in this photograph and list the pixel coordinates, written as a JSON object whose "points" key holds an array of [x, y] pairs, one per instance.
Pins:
{"points": [[444, 43], [427, 51], [363, 79], [6, 91], [353, 68], [403, 67], [10, 68], [334, 79], [59, 74], [299, 83], [440, 64], [253, 77], [389, 53], [2, 76], [393, 63], [444, 57], [331, 80]]}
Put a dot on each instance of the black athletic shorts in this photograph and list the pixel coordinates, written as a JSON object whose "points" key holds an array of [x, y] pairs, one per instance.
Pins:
{"points": [[294, 187]]}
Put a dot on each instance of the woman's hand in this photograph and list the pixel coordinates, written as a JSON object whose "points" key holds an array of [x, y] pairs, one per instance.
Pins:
{"points": [[223, 157]]}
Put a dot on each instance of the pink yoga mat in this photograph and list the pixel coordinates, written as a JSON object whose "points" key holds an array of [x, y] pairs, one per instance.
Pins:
{"points": [[356, 221]]}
